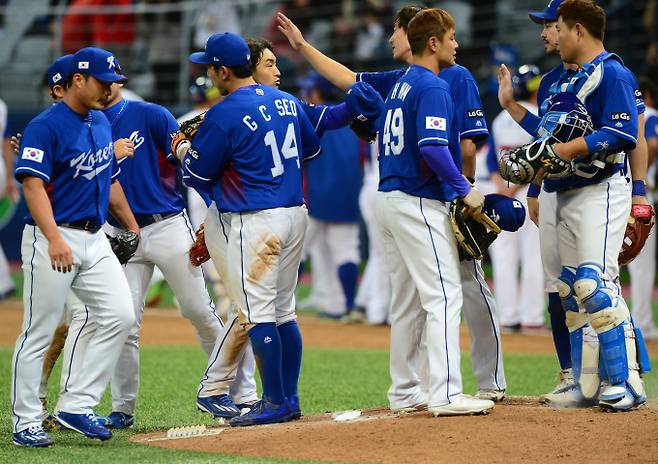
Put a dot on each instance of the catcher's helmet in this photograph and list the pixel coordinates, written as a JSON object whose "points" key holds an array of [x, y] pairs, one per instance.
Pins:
{"points": [[526, 81], [566, 118]]}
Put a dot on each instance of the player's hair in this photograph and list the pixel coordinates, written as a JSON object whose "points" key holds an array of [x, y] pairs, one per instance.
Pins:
{"points": [[406, 14], [241, 72], [69, 82], [432, 22], [590, 15], [647, 87], [256, 48]]}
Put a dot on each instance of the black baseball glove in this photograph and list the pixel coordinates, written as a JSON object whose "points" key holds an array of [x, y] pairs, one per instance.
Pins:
{"points": [[190, 127], [474, 231], [124, 245], [523, 164]]}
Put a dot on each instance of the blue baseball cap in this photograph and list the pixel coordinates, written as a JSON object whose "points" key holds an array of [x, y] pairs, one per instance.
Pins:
{"points": [[364, 102], [507, 212], [97, 63], [58, 72], [549, 15], [224, 49]]}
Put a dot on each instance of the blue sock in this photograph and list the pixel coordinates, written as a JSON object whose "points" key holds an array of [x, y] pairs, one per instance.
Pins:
{"points": [[560, 331], [291, 347], [348, 274], [266, 343]]}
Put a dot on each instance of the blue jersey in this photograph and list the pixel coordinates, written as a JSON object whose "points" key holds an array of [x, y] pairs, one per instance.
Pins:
{"points": [[418, 111], [149, 178], [651, 126], [315, 114], [612, 105], [544, 91], [333, 180], [248, 150], [74, 155], [468, 112]]}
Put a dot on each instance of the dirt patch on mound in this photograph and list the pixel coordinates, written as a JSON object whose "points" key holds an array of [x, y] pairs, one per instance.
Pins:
{"points": [[519, 430]]}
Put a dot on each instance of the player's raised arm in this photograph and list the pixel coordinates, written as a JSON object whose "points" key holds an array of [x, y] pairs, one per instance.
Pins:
{"points": [[340, 75], [506, 97]]}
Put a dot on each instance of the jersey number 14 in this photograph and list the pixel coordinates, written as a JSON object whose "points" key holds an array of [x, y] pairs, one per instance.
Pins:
{"points": [[393, 139], [288, 149]]}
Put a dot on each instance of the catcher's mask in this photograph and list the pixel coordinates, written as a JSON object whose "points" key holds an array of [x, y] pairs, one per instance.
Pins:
{"points": [[566, 119]]}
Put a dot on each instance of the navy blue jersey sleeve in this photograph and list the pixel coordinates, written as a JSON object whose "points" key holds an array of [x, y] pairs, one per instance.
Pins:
{"points": [[492, 156], [619, 111], [433, 116], [315, 114], [651, 127], [382, 82], [162, 124], [468, 110], [206, 158], [310, 141], [36, 153], [639, 99]]}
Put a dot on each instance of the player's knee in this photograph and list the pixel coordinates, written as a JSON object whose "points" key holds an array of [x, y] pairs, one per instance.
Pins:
{"points": [[591, 290], [565, 288]]}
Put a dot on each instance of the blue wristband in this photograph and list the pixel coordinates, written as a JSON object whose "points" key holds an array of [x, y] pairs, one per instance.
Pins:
{"points": [[639, 188], [533, 191]]}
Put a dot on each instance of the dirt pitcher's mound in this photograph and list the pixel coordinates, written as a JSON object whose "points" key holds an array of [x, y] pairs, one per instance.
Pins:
{"points": [[517, 431]]}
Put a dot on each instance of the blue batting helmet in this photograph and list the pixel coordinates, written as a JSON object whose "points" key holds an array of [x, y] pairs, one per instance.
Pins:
{"points": [[526, 81]]}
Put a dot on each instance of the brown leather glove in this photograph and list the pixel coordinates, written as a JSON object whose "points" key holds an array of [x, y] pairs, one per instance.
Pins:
{"points": [[638, 229], [198, 251]]}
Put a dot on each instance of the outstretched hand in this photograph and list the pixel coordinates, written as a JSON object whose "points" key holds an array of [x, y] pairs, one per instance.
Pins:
{"points": [[292, 32], [505, 91]]}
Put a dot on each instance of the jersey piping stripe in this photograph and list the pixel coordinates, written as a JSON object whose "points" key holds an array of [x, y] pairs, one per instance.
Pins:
{"points": [[118, 171], [324, 110], [198, 177], [493, 324], [607, 221], [310, 157], [75, 344], [25, 168], [29, 324], [445, 299], [219, 350], [190, 230], [439, 139], [474, 131], [242, 272], [622, 134]]}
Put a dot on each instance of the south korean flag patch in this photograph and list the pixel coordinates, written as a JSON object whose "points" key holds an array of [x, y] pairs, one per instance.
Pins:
{"points": [[32, 154], [435, 122]]}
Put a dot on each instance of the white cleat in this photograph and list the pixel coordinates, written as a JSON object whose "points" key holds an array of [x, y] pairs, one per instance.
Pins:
{"points": [[491, 394], [462, 405], [409, 409], [567, 381], [572, 397]]}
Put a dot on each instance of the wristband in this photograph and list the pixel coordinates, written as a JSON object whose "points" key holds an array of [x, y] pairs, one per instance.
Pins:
{"points": [[470, 179], [533, 191], [639, 188]]}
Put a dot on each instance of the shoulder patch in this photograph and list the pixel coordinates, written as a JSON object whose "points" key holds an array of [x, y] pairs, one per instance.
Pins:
{"points": [[475, 113], [32, 154], [435, 122]]}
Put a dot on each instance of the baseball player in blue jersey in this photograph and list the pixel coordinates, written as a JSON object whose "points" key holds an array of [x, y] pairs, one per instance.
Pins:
{"points": [[216, 390], [607, 352], [151, 178], [479, 304], [544, 212], [247, 155], [66, 166]]}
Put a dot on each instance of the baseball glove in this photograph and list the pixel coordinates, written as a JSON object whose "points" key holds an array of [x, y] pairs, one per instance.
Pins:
{"points": [[524, 164], [190, 127], [638, 229], [124, 245], [474, 231], [199, 251]]}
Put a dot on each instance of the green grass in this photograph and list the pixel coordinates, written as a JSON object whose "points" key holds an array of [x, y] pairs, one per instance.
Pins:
{"points": [[332, 379]]}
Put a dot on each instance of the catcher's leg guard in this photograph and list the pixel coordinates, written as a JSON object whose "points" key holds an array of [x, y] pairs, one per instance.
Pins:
{"points": [[642, 353], [565, 288]]}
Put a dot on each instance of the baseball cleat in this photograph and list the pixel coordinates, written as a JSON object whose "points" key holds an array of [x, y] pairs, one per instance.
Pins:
{"points": [[615, 398], [265, 412], [490, 394], [571, 397], [567, 381], [462, 405], [116, 420], [406, 409], [85, 424], [294, 405], [218, 405], [32, 437]]}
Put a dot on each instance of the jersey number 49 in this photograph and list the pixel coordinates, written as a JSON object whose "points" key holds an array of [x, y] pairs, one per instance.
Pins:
{"points": [[393, 139]]}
